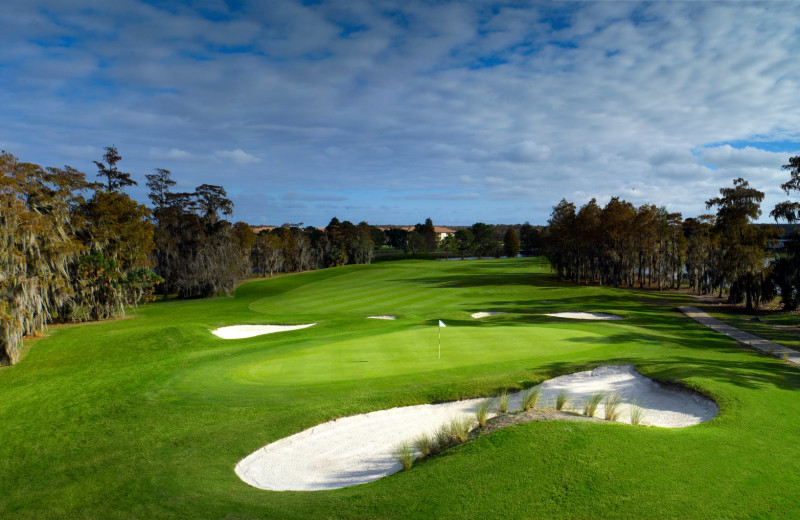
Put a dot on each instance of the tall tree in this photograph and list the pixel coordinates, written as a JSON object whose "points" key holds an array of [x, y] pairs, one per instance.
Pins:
{"points": [[511, 243], [743, 243], [37, 246], [115, 179], [787, 265], [428, 232]]}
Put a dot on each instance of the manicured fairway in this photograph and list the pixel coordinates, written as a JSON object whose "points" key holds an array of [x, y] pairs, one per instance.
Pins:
{"points": [[146, 417]]}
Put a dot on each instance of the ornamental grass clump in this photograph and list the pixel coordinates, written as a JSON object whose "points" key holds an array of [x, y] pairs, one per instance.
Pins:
{"points": [[424, 444], [502, 402], [637, 413], [561, 400], [590, 406], [611, 405], [482, 412], [442, 438], [459, 429], [404, 454], [530, 398]]}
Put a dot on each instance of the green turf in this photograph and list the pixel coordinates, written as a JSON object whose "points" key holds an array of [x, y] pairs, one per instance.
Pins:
{"points": [[146, 417]]}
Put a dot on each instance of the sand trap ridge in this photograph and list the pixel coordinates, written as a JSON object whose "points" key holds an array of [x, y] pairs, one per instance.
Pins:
{"points": [[249, 331], [584, 315], [381, 317], [358, 449], [478, 315]]}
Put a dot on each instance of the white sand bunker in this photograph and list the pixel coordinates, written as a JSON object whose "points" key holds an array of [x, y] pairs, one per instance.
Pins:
{"points": [[358, 449], [249, 331], [381, 317], [585, 315], [478, 315]]}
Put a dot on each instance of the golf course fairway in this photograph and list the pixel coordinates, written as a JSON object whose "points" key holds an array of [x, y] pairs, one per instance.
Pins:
{"points": [[146, 417]]}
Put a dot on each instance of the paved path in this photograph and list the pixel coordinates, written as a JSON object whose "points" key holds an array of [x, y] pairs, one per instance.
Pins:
{"points": [[745, 337]]}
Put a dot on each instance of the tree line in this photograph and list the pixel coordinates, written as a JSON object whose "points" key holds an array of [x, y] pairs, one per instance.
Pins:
{"points": [[78, 250], [620, 244]]}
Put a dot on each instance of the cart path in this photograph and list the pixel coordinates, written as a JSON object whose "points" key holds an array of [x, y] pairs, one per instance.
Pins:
{"points": [[776, 349]]}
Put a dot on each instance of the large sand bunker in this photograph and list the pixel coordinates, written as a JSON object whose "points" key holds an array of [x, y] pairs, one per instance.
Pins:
{"points": [[585, 315], [358, 449], [381, 317], [249, 331]]}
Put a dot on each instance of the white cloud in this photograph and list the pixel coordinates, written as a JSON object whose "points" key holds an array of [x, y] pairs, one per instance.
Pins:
{"points": [[173, 154], [238, 156], [628, 98]]}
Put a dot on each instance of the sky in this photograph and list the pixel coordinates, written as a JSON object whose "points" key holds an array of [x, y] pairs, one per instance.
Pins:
{"points": [[396, 111]]}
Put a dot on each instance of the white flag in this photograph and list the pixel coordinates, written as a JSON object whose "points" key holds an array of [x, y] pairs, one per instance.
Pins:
{"points": [[441, 324]]}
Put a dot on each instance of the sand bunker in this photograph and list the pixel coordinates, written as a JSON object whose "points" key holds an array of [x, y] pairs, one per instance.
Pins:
{"points": [[478, 315], [249, 331], [381, 317], [585, 316], [358, 449]]}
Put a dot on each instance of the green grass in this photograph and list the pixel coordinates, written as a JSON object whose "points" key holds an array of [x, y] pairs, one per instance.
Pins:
{"points": [[146, 417]]}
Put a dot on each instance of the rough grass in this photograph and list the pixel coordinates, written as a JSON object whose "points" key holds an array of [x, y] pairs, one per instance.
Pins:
{"points": [[146, 417]]}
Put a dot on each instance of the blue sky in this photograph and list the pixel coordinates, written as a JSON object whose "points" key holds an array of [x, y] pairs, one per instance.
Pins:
{"points": [[395, 111]]}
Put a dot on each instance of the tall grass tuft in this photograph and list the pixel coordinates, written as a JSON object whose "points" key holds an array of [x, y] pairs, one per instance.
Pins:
{"points": [[590, 406], [530, 398], [561, 400], [404, 455], [611, 405], [459, 429], [637, 413], [424, 443], [502, 402], [482, 412], [443, 438]]}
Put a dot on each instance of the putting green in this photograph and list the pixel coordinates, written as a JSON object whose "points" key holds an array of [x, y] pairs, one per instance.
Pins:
{"points": [[415, 351]]}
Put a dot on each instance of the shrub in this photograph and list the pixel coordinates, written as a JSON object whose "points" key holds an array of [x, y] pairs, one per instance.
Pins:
{"points": [[612, 403], [531, 397], [502, 402], [424, 444], [482, 412], [561, 400], [590, 406], [404, 455]]}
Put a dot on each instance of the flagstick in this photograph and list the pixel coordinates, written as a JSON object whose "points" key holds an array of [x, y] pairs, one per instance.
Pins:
{"points": [[440, 342]]}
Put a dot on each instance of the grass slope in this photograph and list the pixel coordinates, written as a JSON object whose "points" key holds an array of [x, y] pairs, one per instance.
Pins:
{"points": [[146, 417]]}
